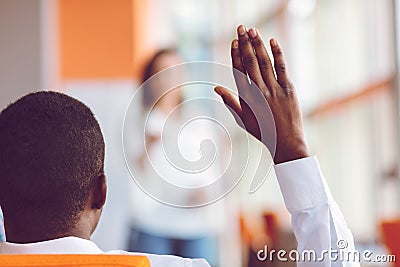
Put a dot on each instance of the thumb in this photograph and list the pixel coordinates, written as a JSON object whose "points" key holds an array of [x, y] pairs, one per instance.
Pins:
{"points": [[228, 99], [232, 103]]}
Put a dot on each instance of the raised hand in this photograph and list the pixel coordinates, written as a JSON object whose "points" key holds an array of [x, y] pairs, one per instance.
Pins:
{"points": [[269, 91]]}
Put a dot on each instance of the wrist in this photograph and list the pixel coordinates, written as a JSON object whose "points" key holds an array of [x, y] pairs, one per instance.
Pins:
{"points": [[295, 152]]}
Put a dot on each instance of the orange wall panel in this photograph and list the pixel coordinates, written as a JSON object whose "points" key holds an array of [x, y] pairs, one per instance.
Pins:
{"points": [[96, 39]]}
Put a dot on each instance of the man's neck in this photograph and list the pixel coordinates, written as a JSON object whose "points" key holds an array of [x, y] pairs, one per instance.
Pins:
{"points": [[25, 233]]}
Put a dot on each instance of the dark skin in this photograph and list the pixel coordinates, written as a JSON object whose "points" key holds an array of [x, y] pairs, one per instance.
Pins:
{"points": [[91, 214], [270, 86], [84, 228]]}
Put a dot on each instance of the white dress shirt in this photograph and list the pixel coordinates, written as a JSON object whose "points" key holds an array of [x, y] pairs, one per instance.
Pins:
{"points": [[316, 219]]}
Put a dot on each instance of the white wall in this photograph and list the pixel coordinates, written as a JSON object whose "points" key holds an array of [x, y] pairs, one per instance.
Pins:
{"points": [[20, 48], [109, 101]]}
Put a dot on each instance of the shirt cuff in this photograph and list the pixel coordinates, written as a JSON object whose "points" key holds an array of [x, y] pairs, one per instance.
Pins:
{"points": [[302, 184]]}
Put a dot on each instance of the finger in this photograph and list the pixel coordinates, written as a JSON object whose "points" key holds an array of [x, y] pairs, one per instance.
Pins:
{"points": [[248, 56], [239, 73], [267, 71], [230, 101], [280, 64]]}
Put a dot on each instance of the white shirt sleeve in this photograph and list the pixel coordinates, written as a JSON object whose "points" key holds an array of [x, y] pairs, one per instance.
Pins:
{"points": [[317, 221]]}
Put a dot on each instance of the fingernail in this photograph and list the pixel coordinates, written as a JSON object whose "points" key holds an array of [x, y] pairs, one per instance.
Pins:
{"points": [[242, 30], [274, 42], [253, 32], [216, 89], [235, 44]]}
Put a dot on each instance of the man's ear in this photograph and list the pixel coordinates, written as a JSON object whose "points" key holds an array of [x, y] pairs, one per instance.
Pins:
{"points": [[99, 192]]}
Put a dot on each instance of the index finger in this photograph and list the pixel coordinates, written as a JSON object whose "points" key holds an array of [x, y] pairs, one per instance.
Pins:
{"points": [[239, 72]]}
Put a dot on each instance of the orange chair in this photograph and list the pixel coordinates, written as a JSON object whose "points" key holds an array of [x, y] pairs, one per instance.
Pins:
{"points": [[391, 237], [73, 260]]}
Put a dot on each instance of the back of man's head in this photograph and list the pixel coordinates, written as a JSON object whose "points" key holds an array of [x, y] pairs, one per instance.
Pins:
{"points": [[51, 152]]}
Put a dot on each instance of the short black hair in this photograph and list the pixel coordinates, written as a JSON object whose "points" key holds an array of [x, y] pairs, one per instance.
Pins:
{"points": [[51, 150]]}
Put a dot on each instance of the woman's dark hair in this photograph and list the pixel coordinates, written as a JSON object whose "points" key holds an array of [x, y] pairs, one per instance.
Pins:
{"points": [[149, 70]]}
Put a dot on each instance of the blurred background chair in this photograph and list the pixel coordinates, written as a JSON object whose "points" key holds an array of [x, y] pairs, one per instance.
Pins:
{"points": [[391, 237]]}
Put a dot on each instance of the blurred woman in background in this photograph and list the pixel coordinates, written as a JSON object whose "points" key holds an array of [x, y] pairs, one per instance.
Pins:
{"points": [[159, 228]]}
